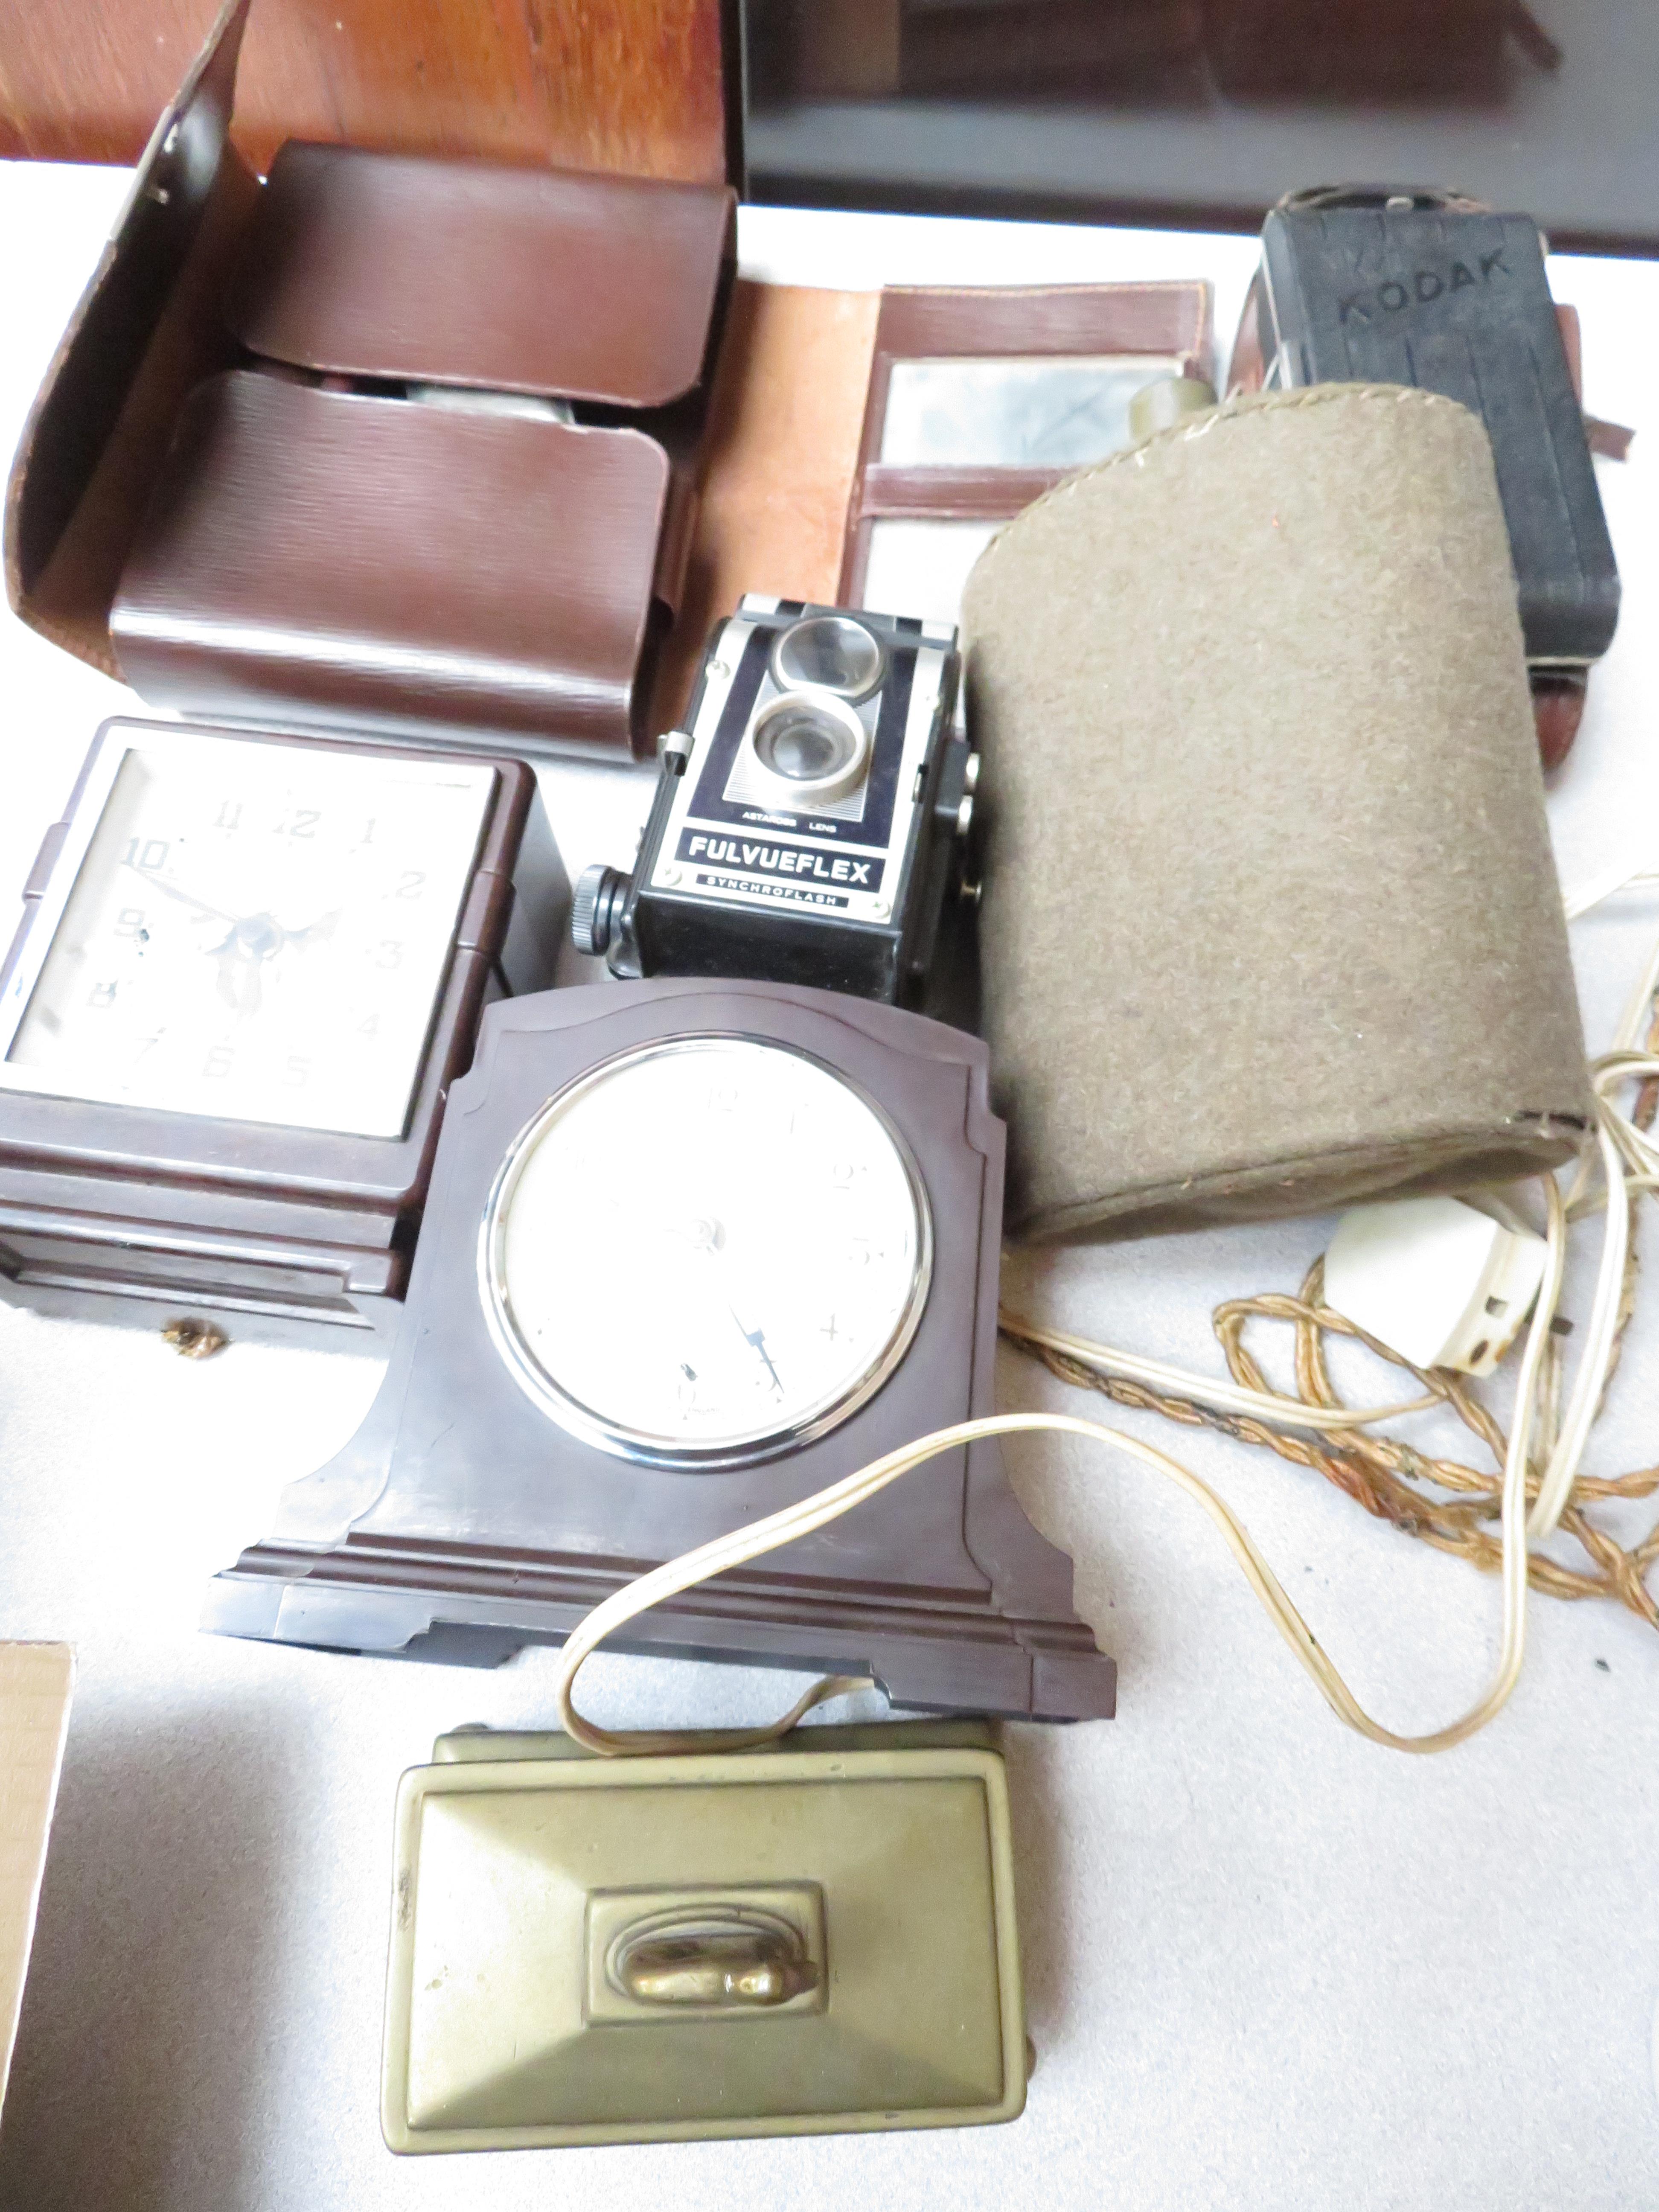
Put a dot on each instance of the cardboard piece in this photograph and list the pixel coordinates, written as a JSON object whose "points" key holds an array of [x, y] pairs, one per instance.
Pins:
{"points": [[36, 1683]]}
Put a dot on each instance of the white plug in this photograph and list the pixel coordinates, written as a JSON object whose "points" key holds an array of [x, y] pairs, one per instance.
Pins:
{"points": [[1436, 1281]]}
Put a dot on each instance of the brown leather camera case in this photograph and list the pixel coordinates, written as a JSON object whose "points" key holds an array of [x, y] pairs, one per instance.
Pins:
{"points": [[231, 493]]}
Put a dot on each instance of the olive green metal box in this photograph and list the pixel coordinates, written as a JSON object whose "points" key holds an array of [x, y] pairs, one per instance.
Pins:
{"points": [[813, 1937]]}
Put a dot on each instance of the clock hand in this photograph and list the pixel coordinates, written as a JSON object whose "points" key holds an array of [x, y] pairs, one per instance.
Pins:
{"points": [[705, 1236], [321, 928], [757, 1337], [185, 898], [253, 937], [254, 940], [251, 942]]}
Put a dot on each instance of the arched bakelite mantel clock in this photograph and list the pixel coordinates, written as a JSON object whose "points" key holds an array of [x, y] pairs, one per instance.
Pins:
{"points": [[693, 1250]]}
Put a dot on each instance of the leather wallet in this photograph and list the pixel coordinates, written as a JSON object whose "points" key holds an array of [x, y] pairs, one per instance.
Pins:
{"points": [[981, 399]]}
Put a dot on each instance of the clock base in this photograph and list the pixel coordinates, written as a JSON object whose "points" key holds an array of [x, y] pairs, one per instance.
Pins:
{"points": [[387, 1600], [351, 1303]]}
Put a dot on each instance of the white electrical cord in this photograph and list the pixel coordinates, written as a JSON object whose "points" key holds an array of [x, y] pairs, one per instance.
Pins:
{"points": [[1595, 1361], [743, 1545], [1226, 1397], [1628, 1160]]}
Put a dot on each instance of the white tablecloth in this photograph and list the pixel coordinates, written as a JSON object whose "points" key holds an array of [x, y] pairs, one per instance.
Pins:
{"points": [[1268, 1965]]}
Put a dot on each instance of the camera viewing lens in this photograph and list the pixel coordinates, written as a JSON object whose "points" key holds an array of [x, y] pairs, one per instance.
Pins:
{"points": [[816, 745], [829, 653]]}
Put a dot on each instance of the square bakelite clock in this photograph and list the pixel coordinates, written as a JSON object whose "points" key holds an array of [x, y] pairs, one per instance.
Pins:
{"points": [[249, 966]]}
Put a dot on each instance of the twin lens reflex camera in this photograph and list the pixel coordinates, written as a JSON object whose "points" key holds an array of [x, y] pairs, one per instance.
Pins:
{"points": [[811, 818]]}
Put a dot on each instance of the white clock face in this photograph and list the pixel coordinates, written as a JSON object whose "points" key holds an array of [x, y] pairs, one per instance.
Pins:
{"points": [[705, 1248], [254, 931]]}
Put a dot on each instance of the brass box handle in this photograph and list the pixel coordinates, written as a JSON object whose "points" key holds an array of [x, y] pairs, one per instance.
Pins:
{"points": [[737, 1956]]}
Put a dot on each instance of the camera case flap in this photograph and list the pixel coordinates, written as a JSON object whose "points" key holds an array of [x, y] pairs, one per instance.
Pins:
{"points": [[811, 818]]}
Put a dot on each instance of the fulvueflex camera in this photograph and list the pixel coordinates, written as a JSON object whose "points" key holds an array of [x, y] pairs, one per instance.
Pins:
{"points": [[811, 818]]}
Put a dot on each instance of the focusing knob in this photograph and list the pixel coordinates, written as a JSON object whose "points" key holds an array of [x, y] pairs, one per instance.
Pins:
{"points": [[599, 893]]}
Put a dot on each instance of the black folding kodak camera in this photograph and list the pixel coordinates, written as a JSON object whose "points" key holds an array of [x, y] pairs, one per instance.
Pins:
{"points": [[1367, 284], [809, 820]]}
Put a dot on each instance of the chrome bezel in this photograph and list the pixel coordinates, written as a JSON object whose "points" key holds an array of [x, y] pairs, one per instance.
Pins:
{"points": [[798, 793], [853, 693], [641, 1447]]}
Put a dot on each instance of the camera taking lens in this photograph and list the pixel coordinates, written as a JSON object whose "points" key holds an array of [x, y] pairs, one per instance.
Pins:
{"points": [[818, 746]]}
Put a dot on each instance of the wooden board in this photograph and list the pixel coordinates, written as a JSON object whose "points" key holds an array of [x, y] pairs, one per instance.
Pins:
{"points": [[632, 85]]}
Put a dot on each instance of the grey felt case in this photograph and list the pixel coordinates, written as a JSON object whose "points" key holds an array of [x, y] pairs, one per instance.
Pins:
{"points": [[1271, 922]]}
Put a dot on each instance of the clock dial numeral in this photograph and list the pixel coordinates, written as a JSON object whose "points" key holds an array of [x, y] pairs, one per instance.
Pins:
{"points": [[130, 922], [303, 823], [410, 884], [148, 853], [297, 1071], [389, 953], [229, 816], [102, 994], [219, 1063]]}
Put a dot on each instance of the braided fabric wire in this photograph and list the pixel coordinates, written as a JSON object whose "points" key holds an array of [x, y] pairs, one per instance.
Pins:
{"points": [[1442, 1501]]}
